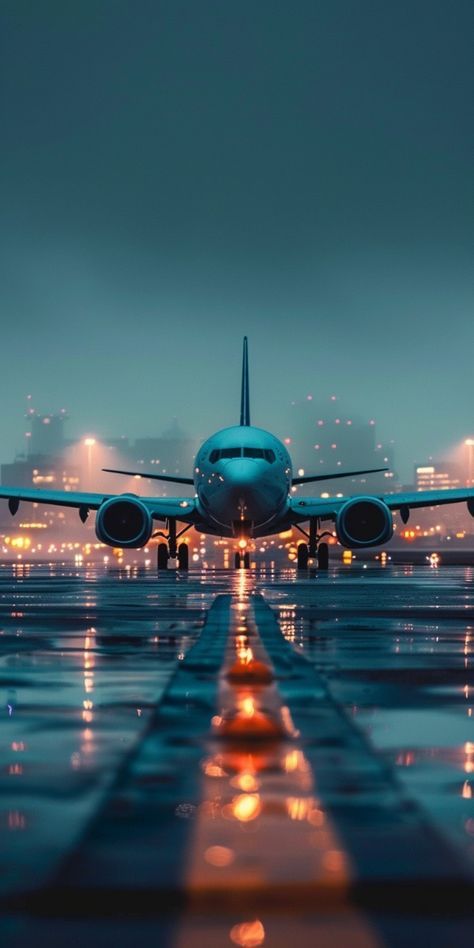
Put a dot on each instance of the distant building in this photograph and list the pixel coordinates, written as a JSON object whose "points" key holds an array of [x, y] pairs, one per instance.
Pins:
{"points": [[440, 475], [324, 438], [44, 466], [47, 434], [43, 472], [449, 519], [172, 453]]}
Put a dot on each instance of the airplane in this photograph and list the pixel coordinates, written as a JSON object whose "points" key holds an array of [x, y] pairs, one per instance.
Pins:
{"points": [[243, 483]]}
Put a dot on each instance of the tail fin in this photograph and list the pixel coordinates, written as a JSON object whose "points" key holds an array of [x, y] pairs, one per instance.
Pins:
{"points": [[245, 398]]}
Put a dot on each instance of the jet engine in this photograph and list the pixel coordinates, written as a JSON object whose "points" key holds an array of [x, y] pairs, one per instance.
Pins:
{"points": [[364, 521], [124, 521]]}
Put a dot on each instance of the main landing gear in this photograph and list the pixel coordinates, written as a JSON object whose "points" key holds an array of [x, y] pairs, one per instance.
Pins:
{"points": [[171, 550], [321, 555], [316, 549]]}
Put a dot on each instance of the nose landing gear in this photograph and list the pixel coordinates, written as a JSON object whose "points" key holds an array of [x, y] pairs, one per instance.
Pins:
{"points": [[241, 560]]}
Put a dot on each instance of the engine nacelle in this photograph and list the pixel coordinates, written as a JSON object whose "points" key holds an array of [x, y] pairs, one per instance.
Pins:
{"points": [[124, 521], [364, 521]]}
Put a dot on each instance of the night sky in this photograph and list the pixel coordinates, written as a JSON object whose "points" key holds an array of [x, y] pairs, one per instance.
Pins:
{"points": [[176, 174]]}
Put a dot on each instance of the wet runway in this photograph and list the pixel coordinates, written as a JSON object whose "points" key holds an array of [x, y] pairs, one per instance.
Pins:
{"points": [[234, 758]]}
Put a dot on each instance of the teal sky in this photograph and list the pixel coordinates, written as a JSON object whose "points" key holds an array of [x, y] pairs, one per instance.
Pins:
{"points": [[176, 174]]}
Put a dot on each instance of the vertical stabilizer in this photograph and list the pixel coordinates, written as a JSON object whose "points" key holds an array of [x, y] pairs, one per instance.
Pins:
{"points": [[245, 398]]}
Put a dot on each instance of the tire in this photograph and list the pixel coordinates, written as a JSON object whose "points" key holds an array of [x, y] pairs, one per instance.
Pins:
{"points": [[237, 560], [323, 556], [303, 556], [246, 560], [162, 560], [183, 556]]}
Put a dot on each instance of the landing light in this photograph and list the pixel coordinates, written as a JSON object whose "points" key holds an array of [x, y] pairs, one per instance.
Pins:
{"points": [[242, 544]]}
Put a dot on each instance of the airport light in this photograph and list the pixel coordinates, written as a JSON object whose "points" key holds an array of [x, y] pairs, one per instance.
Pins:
{"points": [[89, 444], [469, 442]]}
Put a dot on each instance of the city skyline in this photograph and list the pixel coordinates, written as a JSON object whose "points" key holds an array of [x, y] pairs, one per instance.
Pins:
{"points": [[174, 178], [298, 435]]}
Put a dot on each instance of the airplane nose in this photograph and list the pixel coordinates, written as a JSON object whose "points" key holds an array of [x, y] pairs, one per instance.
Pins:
{"points": [[240, 473], [241, 491]]}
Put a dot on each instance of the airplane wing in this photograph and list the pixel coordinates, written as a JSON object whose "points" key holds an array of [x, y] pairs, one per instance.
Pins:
{"points": [[182, 508], [171, 478], [302, 508]]}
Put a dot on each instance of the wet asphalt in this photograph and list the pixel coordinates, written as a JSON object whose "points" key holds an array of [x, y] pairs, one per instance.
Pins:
{"points": [[107, 690]]}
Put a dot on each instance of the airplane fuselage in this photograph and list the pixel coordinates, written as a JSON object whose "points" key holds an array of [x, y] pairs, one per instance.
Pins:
{"points": [[242, 478]]}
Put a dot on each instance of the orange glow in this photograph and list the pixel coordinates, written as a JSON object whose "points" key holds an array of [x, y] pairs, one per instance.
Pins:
{"points": [[298, 808], [219, 856], [251, 724], [248, 934], [246, 782], [20, 543], [466, 790], [245, 655], [295, 760], [252, 672], [334, 860], [316, 816], [242, 544], [247, 706], [246, 807], [213, 769]]}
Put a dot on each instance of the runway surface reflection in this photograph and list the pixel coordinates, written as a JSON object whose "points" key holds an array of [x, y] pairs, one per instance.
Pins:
{"points": [[236, 757]]}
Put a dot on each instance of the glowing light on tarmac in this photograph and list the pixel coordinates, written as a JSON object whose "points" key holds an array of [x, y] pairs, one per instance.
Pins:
{"points": [[298, 808], [248, 934], [246, 807], [247, 706], [219, 856], [246, 782], [295, 760], [213, 769]]}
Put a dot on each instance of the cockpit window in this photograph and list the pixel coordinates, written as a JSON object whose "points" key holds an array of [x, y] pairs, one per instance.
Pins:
{"points": [[230, 453], [264, 453]]}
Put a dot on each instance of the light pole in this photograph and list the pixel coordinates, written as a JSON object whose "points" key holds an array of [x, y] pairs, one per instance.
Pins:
{"points": [[89, 444], [469, 442]]}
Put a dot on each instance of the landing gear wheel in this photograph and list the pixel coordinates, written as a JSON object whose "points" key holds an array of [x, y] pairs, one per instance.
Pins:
{"points": [[237, 560], [323, 556], [246, 560], [183, 556], [303, 556], [162, 560]]}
